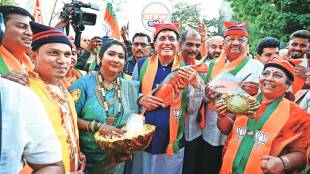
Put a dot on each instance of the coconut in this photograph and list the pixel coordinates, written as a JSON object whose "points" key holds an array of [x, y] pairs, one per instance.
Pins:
{"points": [[237, 104]]}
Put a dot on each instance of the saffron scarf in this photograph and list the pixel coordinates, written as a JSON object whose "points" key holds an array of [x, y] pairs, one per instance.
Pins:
{"points": [[201, 114], [10, 63], [218, 65], [177, 102], [252, 139]]}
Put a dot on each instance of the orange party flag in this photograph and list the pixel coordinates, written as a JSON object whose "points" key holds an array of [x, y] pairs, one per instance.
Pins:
{"points": [[110, 18], [37, 13]]}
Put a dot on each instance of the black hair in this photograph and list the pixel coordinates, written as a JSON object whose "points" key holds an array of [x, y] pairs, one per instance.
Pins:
{"points": [[305, 34], [110, 43], [140, 34], [267, 42], [8, 10]]}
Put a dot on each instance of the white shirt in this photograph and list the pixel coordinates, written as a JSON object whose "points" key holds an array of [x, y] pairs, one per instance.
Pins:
{"points": [[211, 133], [25, 129], [192, 129]]}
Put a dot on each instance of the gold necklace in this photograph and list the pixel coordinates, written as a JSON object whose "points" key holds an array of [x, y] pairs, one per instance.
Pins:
{"points": [[67, 121], [101, 90]]}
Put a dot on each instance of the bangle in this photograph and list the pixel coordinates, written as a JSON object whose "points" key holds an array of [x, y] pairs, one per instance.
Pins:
{"points": [[284, 165], [139, 97], [229, 119], [97, 125], [101, 127], [92, 126]]}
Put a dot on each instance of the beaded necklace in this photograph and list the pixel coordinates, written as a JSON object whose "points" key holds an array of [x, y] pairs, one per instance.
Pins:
{"points": [[102, 87], [67, 122]]}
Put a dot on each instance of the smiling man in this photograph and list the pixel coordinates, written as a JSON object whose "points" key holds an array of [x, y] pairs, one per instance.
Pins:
{"points": [[298, 47], [215, 47], [234, 59], [14, 63], [165, 152], [52, 59], [190, 45]]}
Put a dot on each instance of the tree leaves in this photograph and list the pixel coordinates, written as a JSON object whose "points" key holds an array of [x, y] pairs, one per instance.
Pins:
{"points": [[6, 2], [189, 16], [276, 18]]}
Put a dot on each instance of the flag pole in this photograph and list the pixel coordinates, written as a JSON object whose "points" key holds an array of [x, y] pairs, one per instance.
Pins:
{"points": [[52, 13]]}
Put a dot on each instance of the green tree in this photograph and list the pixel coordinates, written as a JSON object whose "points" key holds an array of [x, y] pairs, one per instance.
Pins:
{"points": [[6, 2], [276, 18], [189, 16]]}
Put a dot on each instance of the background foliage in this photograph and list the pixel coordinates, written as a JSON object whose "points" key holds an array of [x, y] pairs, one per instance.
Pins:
{"points": [[6, 2], [189, 16], [276, 18]]}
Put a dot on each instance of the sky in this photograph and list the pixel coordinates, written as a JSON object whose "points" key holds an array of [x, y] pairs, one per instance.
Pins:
{"points": [[130, 11]]}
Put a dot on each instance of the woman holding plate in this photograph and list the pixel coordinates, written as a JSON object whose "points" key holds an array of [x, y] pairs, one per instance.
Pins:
{"points": [[103, 102]]}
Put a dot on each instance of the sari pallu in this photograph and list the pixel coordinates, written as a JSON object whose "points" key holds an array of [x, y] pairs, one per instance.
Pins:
{"points": [[266, 135]]}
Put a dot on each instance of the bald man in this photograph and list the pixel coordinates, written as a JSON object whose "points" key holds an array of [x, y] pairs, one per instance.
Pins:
{"points": [[215, 47]]}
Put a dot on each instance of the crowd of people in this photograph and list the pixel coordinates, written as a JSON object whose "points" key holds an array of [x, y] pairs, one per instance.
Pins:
{"points": [[55, 96]]}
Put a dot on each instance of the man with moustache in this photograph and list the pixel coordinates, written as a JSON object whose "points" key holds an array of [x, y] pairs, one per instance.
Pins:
{"points": [[214, 48], [234, 60], [52, 59], [141, 44], [298, 47], [190, 44], [14, 63]]}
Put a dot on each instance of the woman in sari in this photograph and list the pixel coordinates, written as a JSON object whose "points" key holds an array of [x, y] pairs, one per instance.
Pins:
{"points": [[274, 140], [103, 103]]}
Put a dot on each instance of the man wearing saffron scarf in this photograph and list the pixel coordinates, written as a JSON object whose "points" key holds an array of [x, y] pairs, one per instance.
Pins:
{"points": [[165, 153], [52, 58], [234, 59], [274, 140], [14, 63], [190, 44]]}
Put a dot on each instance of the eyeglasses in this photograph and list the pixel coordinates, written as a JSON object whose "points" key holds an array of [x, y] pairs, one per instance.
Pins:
{"points": [[170, 39], [143, 45]]}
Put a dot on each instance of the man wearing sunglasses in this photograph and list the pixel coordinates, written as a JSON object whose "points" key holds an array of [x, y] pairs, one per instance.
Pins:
{"points": [[141, 43]]}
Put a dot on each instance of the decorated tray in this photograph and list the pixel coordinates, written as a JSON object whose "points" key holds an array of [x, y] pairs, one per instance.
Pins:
{"points": [[128, 143]]}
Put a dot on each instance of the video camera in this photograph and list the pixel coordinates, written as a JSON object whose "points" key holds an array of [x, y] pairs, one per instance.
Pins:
{"points": [[78, 18]]}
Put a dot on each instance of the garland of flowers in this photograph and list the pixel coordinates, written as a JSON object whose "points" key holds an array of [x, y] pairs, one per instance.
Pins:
{"points": [[66, 111], [102, 87]]}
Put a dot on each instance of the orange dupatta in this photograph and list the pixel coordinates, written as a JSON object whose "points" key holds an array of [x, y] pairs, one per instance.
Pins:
{"points": [[221, 66], [268, 132], [175, 103], [13, 63]]}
